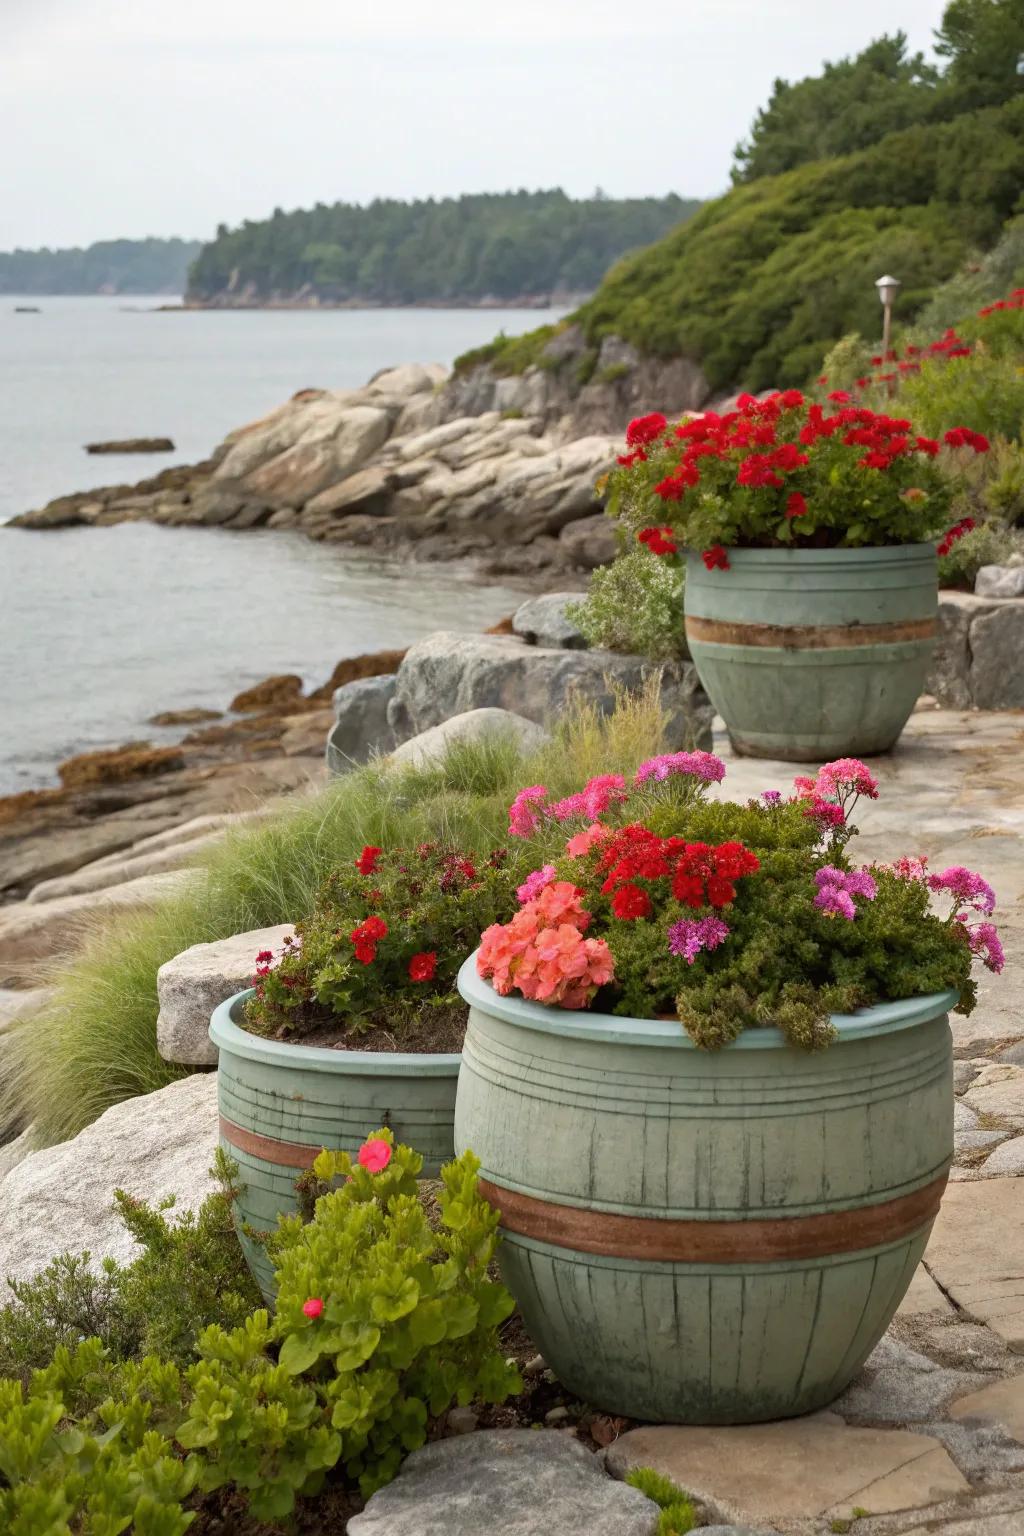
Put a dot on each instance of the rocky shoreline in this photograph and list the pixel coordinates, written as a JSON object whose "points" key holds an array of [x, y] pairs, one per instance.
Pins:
{"points": [[502, 470]]}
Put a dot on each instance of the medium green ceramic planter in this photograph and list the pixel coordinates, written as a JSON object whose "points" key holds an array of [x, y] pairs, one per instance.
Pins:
{"points": [[706, 1237], [812, 654], [281, 1103]]}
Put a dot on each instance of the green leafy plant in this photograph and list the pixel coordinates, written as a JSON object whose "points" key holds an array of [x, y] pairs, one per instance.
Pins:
{"points": [[635, 605], [383, 946], [678, 1515], [397, 1320]]}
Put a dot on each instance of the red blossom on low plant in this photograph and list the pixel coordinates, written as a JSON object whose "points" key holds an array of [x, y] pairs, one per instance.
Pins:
{"points": [[368, 860], [313, 1307], [716, 558], [365, 938], [796, 504], [630, 903], [374, 1154], [645, 429], [658, 540], [423, 967]]}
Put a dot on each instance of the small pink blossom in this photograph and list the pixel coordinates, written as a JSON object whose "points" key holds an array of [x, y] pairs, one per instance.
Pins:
{"points": [[535, 883], [965, 886], [698, 765], [838, 887], [523, 820], [690, 935], [771, 797], [984, 941], [313, 1307], [907, 868], [583, 841], [374, 1154], [845, 774]]}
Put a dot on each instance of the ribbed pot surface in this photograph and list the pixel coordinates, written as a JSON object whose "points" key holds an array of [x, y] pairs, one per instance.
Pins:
{"points": [[812, 654], [281, 1103], [706, 1237]]}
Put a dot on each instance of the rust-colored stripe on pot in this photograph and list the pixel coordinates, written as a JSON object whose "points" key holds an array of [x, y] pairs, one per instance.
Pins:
{"points": [[289, 1154], [715, 1242], [808, 637]]}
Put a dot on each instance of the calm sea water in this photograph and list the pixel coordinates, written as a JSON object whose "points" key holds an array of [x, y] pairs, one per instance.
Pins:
{"points": [[100, 628]]}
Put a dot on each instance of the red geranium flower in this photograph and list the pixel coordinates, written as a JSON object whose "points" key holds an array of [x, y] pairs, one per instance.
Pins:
{"points": [[368, 860], [630, 903], [716, 558], [422, 967], [645, 429], [374, 1154], [658, 540], [796, 505], [313, 1307], [364, 938]]}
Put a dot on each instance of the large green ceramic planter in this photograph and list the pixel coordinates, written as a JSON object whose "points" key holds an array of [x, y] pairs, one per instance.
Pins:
{"points": [[812, 654], [706, 1237], [281, 1103]]}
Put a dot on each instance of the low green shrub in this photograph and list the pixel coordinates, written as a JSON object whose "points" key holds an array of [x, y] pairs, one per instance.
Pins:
{"points": [[384, 1320], [95, 1044], [635, 605], [189, 1274], [988, 544]]}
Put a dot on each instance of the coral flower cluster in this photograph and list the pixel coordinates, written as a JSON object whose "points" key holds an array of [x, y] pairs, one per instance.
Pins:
{"points": [[542, 952]]}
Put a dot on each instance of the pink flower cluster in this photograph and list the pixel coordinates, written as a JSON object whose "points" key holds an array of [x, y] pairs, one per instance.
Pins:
{"points": [[535, 883], [523, 820], [592, 800], [690, 935], [835, 791], [965, 886], [698, 765], [582, 842], [838, 887], [984, 941], [542, 952]]}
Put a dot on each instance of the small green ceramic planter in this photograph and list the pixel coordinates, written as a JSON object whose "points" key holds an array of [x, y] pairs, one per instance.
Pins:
{"points": [[813, 654], [281, 1103], [706, 1237]]}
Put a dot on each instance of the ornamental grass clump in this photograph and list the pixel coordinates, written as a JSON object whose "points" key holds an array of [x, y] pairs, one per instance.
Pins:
{"points": [[785, 472], [651, 900], [376, 962]]}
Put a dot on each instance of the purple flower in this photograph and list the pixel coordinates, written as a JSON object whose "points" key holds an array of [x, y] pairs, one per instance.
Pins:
{"points": [[690, 935], [984, 941], [535, 883], [965, 886], [771, 796], [838, 887], [698, 765]]}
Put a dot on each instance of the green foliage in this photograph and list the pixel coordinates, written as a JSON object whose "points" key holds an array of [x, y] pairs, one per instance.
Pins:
{"points": [[761, 282], [635, 605], [849, 106], [493, 245], [109, 266], [410, 1317], [189, 1274], [95, 1044], [677, 1512], [409, 1325], [985, 391], [77, 1453], [988, 544], [981, 280], [432, 902], [509, 354]]}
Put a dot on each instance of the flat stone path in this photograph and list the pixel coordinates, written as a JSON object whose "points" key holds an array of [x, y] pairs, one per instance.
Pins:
{"points": [[930, 1437]]}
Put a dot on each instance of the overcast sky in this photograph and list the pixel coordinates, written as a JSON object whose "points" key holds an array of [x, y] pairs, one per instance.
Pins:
{"points": [[163, 117]]}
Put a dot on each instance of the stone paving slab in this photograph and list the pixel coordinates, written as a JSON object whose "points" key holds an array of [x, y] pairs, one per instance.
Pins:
{"points": [[795, 1469], [1001, 1402], [924, 1297], [976, 1253]]}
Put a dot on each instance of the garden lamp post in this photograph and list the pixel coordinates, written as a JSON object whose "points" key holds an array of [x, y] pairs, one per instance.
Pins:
{"points": [[887, 287]]}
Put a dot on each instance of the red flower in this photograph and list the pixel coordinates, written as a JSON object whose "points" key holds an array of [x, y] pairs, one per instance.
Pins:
{"points": [[645, 429], [423, 966], [796, 505], [630, 902], [927, 445], [313, 1307], [963, 437], [627, 460], [368, 860], [658, 540], [364, 938], [264, 957], [790, 399], [715, 558], [841, 396], [374, 1154]]}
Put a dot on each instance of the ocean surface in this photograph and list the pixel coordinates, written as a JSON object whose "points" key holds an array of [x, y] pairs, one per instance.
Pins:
{"points": [[102, 627]]}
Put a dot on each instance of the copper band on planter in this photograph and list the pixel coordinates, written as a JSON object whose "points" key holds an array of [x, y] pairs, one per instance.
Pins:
{"points": [[289, 1154], [808, 637], [714, 1242]]}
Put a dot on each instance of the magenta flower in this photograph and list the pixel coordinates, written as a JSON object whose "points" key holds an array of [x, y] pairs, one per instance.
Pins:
{"points": [[838, 887], [984, 941], [535, 883], [592, 800], [907, 869], [845, 774], [313, 1307], [965, 886], [523, 821], [698, 765], [690, 935], [771, 796]]}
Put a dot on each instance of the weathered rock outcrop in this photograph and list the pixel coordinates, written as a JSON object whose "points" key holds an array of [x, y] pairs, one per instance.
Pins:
{"points": [[431, 745], [190, 986], [447, 674], [62, 1199], [977, 652], [498, 469]]}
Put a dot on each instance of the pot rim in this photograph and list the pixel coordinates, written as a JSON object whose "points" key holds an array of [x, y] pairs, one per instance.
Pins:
{"points": [[868, 553], [611, 1029], [227, 1035]]}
